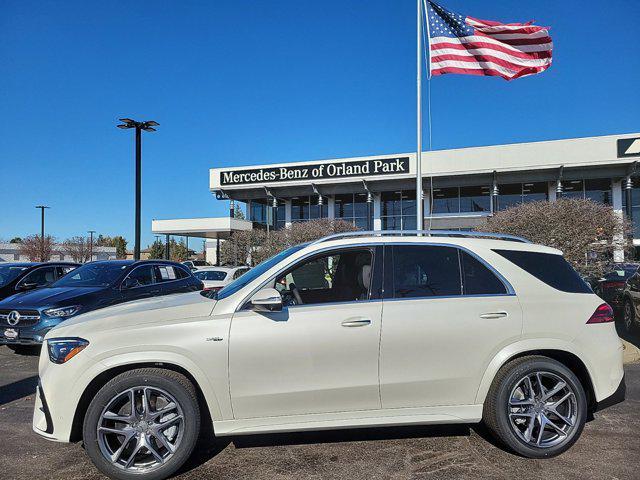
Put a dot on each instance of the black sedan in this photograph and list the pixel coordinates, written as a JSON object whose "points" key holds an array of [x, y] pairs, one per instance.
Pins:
{"points": [[612, 284], [25, 318], [22, 277]]}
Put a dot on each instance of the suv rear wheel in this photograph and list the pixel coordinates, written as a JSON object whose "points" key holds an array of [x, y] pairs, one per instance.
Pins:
{"points": [[536, 406], [142, 424]]}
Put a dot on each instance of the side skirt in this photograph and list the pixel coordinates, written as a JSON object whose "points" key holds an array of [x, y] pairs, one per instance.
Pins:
{"points": [[356, 419]]}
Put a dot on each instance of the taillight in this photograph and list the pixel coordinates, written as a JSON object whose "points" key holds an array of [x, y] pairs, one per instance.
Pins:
{"points": [[603, 314], [614, 284]]}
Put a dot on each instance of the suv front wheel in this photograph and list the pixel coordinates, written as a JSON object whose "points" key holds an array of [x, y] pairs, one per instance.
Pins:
{"points": [[143, 424], [536, 406]]}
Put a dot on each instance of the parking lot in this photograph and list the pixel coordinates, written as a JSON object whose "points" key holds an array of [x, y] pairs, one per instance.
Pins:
{"points": [[609, 447]]}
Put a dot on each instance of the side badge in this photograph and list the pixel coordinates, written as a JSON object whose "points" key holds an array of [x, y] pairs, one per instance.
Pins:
{"points": [[214, 339]]}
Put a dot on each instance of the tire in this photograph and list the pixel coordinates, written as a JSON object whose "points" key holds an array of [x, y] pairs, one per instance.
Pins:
{"points": [[172, 435], [628, 316], [511, 424]]}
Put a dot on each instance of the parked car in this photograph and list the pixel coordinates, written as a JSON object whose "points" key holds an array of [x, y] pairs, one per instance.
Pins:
{"points": [[631, 303], [22, 277], [26, 318], [349, 331], [610, 287], [195, 264], [215, 278]]}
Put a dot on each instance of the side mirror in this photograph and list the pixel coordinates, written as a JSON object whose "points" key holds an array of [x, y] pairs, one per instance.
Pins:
{"points": [[267, 300], [128, 283]]}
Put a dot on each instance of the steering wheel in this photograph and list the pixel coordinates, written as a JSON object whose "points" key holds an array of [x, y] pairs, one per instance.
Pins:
{"points": [[296, 293]]}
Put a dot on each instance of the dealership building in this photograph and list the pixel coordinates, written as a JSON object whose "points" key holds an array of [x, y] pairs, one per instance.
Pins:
{"points": [[462, 187]]}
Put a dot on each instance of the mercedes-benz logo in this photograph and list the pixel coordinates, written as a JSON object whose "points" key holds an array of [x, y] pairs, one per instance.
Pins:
{"points": [[13, 318]]}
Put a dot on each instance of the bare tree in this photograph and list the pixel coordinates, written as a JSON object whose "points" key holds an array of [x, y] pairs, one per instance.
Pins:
{"points": [[77, 248], [254, 246], [587, 232], [35, 249]]}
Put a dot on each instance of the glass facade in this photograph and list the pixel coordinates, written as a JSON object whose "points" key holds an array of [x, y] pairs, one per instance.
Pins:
{"points": [[307, 208], [267, 214], [512, 194], [352, 207], [398, 210], [461, 200], [598, 190]]}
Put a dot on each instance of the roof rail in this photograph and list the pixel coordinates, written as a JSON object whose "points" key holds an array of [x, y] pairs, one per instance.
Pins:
{"points": [[426, 233]]}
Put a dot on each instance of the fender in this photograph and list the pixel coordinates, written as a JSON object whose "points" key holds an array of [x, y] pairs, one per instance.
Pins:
{"points": [[523, 346]]}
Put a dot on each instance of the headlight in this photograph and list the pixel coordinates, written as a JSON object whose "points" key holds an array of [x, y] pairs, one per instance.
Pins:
{"points": [[62, 350], [62, 312]]}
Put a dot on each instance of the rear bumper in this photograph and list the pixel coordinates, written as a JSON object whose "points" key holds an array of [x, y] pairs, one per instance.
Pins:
{"points": [[617, 397]]}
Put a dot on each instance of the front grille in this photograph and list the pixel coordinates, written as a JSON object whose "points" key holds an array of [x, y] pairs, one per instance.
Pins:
{"points": [[26, 318]]}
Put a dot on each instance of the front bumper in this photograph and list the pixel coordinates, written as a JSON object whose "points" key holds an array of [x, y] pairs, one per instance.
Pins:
{"points": [[617, 397]]}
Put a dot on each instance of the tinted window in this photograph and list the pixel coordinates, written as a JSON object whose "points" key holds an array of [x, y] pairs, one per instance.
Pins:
{"points": [[142, 276], [93, 275], [211, 275], [425, 271], [166, 273], [477, 279], [552, 269], [343, 276], [239, 273], [40, 277], [9, 273]]}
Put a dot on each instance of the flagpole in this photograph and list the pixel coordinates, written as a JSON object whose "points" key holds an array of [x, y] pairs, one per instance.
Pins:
{"points": [[419, 200]]}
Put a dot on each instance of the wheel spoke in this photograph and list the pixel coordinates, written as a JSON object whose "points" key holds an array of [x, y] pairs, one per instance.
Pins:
{"points": [[562, 400], [116, 431], [163, 411], [554, 426], [540, 385], [520, 403], [144, 403], [557, 388], [542, 421], [132, 457], [170, 422], [152, 450], [529, 432], [159, 436], [118, 418], [116, 455], [530, 388]]}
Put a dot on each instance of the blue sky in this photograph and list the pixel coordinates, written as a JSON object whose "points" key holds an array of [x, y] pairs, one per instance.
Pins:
{"points": [[242, 82]]}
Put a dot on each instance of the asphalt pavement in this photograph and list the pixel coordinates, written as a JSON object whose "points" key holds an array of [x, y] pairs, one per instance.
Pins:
{"points": [[608, 449]]}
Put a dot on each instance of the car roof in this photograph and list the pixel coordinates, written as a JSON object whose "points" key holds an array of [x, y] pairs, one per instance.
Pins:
{"points": [[36, 264], [220, 269], [135, 262]]}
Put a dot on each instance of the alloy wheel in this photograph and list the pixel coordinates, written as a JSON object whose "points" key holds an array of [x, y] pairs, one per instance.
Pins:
{"points": [[542, 409], [140, 429], [628, 316]]}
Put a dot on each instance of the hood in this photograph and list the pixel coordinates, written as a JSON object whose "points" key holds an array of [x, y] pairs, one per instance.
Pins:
{"points": [[165, 309], [44, 297]]}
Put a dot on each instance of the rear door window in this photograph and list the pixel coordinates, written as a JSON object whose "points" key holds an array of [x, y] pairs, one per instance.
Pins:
{"points": [[425, 271], [165, 273], [550, 268], [478, 279]]}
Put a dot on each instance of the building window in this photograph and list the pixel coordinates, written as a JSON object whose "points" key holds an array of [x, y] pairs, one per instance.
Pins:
{"points": [[279, 220], [598, 190], [352, 208], [307, 208], [512, 194], [399, 210], [635, 207], [461, 200]]}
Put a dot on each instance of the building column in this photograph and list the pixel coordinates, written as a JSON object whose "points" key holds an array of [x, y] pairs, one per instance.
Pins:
{"points": [[551, 191], [331, 207], [377, 211], [287, 213], [616, 200]]}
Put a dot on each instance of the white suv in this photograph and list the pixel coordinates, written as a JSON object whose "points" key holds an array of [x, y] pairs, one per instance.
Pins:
{"points": [[354, 330]]}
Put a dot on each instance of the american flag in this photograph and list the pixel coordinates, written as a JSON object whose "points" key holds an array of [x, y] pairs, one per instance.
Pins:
{"points": [[469, 46]]}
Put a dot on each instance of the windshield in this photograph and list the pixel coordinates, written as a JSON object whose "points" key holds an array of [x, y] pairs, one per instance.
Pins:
{"points": [[9, 273], [255, 272], [92, 275], [212, 275]]}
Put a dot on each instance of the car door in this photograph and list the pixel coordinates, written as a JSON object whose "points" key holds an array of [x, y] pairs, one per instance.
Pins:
{"points": [[320, 353], [446, 314], [141, 283]]}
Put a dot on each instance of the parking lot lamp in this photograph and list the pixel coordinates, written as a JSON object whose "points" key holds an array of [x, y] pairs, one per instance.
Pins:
{"points": [[147, 126], [42, 209]]}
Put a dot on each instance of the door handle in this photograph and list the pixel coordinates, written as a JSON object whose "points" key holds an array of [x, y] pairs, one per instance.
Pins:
{"points": [[492, 315], [356, 323]]}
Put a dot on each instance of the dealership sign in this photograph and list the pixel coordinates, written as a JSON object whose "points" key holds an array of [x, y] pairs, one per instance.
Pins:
{"points": [[628, 147], [318, 171]]}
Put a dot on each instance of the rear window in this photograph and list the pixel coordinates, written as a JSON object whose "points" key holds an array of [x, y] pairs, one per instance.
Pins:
{"points": [[552, 269]]}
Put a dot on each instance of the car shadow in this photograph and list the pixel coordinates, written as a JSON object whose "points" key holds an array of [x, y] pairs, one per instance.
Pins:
{"points": [[19, 389], [209, 448]]}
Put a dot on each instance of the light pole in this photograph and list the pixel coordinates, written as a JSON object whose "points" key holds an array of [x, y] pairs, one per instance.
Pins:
{"points": [[91, 232], [147, 127], [42, 209]]}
